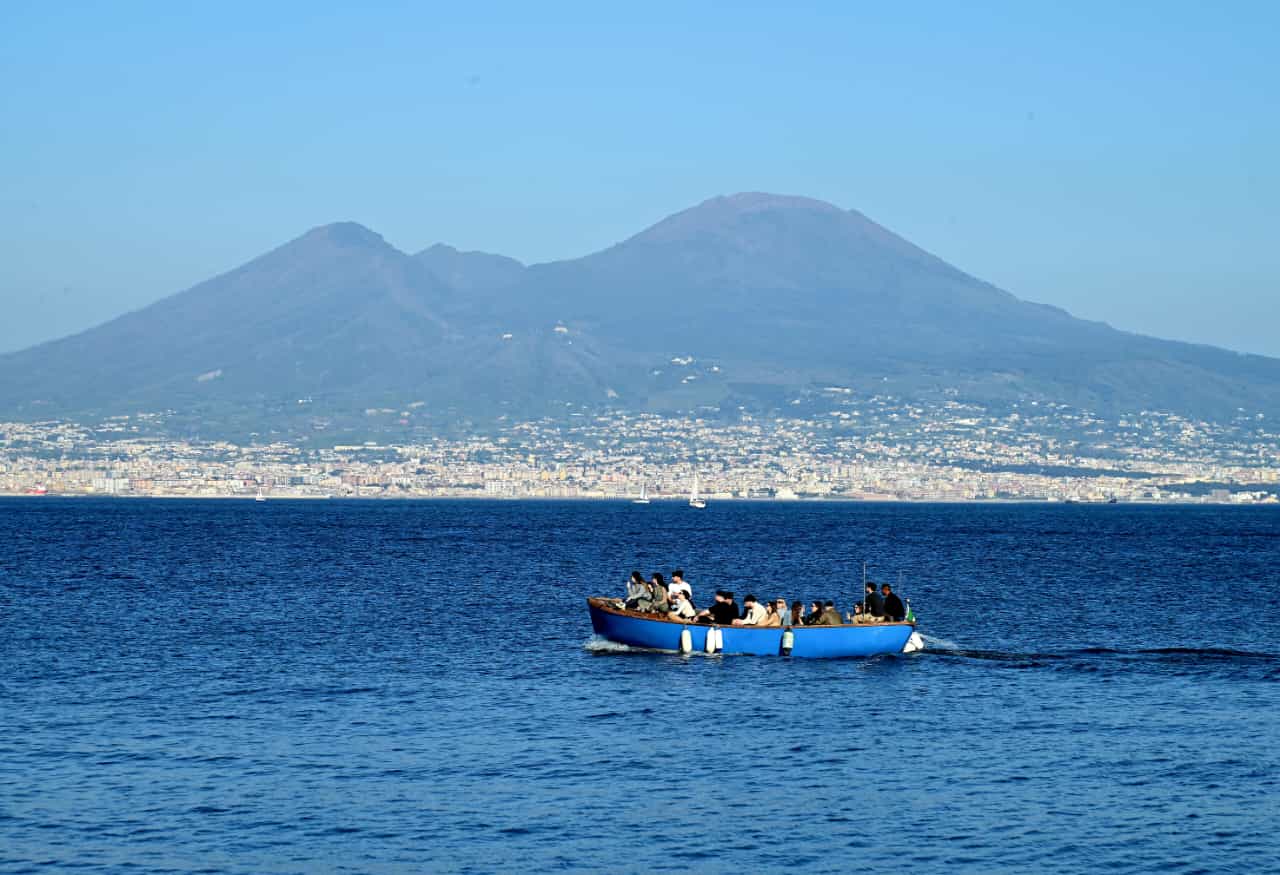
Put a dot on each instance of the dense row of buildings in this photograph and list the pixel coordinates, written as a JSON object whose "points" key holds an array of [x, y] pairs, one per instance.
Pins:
{"points": [[869, 449]]}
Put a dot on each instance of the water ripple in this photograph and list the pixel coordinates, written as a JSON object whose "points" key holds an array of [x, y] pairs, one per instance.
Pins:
{"points": [[368, 687]]}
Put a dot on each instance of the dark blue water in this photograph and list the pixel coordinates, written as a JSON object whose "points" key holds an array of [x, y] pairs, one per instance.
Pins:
{"points": [[406, 687]]}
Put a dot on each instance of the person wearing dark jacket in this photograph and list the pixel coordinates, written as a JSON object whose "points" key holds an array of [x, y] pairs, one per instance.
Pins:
{"points": [[704, 615], [733, 606], [873, 603], [894, 609], [722, 611], [829, 616]]}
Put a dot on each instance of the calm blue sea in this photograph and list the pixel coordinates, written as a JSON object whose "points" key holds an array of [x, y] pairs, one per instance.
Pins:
{"points": [[411, 687]]}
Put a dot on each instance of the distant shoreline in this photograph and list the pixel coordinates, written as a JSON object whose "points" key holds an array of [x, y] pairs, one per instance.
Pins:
{"points": [[623, 500]]}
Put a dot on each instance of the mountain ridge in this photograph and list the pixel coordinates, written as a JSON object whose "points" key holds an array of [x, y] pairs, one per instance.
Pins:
{"points": [[767, 295]]}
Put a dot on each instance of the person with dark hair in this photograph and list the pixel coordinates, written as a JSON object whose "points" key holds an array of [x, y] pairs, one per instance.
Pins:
{"points": [[752, 613], [873, 603], [797, 613], [681, 607], [721, 613], [829, 616], [637, 593], [733, 606], [771, 615], [658, 593], [894, 609], [815, 613], [678, 584]]}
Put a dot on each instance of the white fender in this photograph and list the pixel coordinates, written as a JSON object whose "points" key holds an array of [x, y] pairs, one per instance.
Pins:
{"points": [[714, 642], [719, 640], [686, 640], [914, 643]]}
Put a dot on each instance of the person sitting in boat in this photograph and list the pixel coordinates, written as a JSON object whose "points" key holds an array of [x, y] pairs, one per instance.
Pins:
{"points": [[722, 611], [658, 593], [771, 615], [856, 615], [681, 607], [797, 613], [780, 608], [814, 615], [829, 616], [678, 584], [752, 613], [873, 603], [733, 610], [894, 609], [638, 598], [704, 615]]}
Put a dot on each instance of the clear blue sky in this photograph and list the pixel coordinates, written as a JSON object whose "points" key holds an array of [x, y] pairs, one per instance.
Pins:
{"points": [[1119, 160]]}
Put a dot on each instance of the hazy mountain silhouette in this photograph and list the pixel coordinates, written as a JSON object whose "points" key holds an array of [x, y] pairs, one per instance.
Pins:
{"points": [[769, 296], [468, 271]]}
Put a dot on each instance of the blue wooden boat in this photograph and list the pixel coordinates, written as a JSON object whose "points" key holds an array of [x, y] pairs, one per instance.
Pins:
{"points": [[611, 621]]}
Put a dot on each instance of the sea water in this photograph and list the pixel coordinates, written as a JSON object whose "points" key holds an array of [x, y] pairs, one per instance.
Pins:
{"points": [[227, 686]]}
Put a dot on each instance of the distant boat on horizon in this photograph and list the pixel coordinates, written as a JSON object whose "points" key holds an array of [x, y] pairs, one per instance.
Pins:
{"points": [[695, 499], [260, 496], [644, 495]]}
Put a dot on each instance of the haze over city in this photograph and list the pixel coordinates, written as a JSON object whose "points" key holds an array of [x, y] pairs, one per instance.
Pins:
{"points": [[1114, 162]]}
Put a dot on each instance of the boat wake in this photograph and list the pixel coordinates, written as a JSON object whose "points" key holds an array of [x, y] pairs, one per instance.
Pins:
{"points": [[596, 644], [933, 642], [942, 647], [1094, 659]]}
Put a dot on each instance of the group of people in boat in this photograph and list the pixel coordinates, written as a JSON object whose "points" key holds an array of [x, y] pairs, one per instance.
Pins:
{"points": [[674, 601]]}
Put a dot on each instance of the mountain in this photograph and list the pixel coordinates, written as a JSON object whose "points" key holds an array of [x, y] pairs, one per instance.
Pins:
{"points": [[751, 300], [325, 310], [337, 315], [470, 271]]}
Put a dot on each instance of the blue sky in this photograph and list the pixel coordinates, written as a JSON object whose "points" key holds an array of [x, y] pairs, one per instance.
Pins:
{"points": [[1118, 160]]}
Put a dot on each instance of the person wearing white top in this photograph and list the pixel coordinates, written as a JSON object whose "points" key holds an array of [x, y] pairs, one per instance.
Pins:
{"points": [[678, 584], [681, 607], [753, 612]]}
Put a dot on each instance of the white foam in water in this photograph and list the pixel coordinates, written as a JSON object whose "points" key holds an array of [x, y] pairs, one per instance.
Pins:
{"points": [[932, 642], [596, 644], [914, 644]]}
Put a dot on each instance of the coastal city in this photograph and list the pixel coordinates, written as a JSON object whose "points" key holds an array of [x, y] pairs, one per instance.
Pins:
{"points": [[871, 449]]}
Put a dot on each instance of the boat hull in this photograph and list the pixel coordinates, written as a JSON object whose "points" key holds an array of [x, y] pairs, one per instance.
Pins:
{"points": [[814, 642]]}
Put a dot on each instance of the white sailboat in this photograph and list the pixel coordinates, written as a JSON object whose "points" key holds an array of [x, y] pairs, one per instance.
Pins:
{"points": [[260, 496], [696, 500], [644, 495]]}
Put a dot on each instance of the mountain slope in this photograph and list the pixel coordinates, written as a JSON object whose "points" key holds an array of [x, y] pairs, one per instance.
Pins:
{"points": [[791, 290], [337, 314], [314, 314], [744, 300], [468, 271]]}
